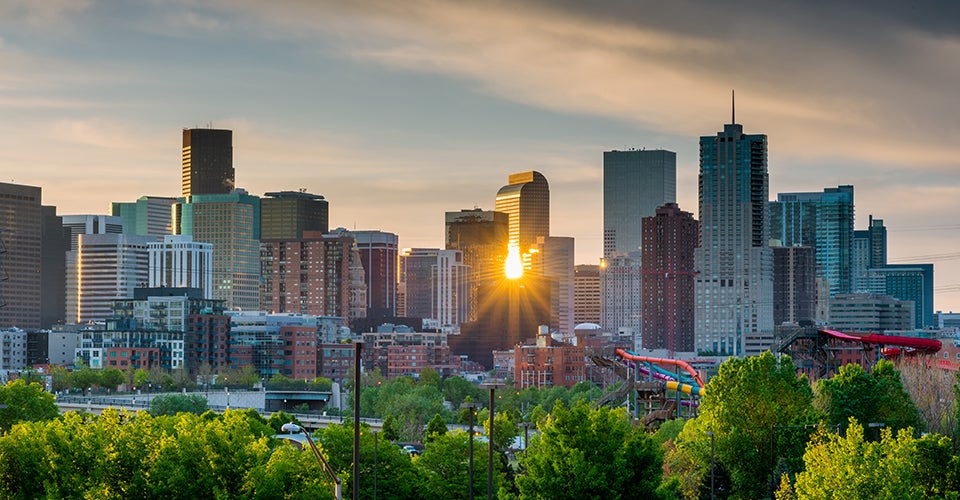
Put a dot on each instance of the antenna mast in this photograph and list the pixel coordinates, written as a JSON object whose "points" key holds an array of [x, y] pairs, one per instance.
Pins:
{"points": [[733, 107]]}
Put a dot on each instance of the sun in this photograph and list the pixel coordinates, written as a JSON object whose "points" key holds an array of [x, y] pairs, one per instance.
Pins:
{"points": [[514, 266]]}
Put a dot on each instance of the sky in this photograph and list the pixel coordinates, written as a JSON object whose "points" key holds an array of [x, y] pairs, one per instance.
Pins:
{"points": [[397, 112]]}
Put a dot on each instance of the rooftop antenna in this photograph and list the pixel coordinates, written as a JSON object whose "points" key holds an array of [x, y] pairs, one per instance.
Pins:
{"points": [[733, 106]]}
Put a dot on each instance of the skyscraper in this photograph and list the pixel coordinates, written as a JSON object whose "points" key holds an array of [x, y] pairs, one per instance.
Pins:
{"points": [[869, 252], [586, 294], [482, 237], [913, 282], [285, 215], [734, 287], [106, 267], [635, 184], [90, 224], [148, 216], [794, 285], [180, 262], [553, 258], [308, 275], [231, 222], [823, 222], [526, 200], [667, 289], [378, 254], [20, 256], [207, 162]]}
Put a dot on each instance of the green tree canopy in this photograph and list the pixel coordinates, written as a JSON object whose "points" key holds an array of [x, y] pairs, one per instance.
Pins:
{"points": [[25, 403], [436, 427], [444, 467], [757, 408], [899, 466], [875, 396], [172, 404], [590, 453]]}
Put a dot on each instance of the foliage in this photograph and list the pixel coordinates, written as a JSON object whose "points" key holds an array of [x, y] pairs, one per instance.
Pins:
{"points": [[85, 378], [279, 418], [172, 404], [119, 455], [436, 427], [61, 378], [444, 466], [25, 403], [280, 383], [590, 453], [877, 396], [397, 476], [931, 389], [111, 378], [410, 404], [897, 467], [756, 407], [457, 390]]}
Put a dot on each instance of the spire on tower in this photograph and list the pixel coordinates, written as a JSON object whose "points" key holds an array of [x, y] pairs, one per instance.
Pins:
{"points": [[733, 106]]}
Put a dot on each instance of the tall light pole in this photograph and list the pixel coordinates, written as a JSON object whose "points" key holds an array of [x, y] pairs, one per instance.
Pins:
{"points": [[375, 450], [358, 346], [328, 471], [712, 468], [493, 386], [473, 408], [526, 431]]}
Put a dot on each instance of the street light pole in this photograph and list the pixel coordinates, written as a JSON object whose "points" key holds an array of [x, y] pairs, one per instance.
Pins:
{"points": [[337, 486], [358, 346], [375, 450], [712, 467], [493, 386], [473, 408]]}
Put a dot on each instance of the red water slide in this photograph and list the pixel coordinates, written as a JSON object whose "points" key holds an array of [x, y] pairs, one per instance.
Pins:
{"points": [[924, 346], [662, 361]]}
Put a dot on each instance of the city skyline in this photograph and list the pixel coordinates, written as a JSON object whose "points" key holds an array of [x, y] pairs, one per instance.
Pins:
{"points": [[398, 114]]}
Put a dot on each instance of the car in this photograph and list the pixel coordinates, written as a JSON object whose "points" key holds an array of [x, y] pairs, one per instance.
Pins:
{"points": [[411, 450]]}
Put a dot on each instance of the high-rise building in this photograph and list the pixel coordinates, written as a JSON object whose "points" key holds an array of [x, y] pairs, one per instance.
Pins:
{"points": [[308, 275], [869, 252], [106, 267], [553, 259], [55, 242], [231, 222], [866, 312], [20, 256], [620, 282], [285, 215], [794, 285], [378, 254], [482, 237], [90, 224], [526, 200], [824, 222], [180, 262], [734, 287], [667, 288], [586, 294], [635, 184], [207, 162], [913, 282], [148, 216]]}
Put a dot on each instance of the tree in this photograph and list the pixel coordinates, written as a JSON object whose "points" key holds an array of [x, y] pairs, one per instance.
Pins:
{"points": [[444, 466], [389, 429], [429, 376], [590, 453], [877, 396], [141, 378], [931, 389], [397, 477], [173, 404], [457, 389], [757, 408], [111, 378], [898, 466], [436, 427], [25, 402], [85, 378], [61, 378]]}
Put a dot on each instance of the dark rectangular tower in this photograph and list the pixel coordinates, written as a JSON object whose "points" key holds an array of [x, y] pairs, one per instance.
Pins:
{"points": [[207, 161]]}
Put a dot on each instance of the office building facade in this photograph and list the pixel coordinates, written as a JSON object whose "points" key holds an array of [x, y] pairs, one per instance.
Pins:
{"points": [[553, 259], [586, 294], [669, 240], [308, 275], [822, 221], [180, 262], [106, 267], [482, 236], [285, 215], [207, 162], [635, 184], [869, 252], [231, 223], [379, 254], [526, 200], [913, 282], [734, 287], [148, 216], [794, 286]]}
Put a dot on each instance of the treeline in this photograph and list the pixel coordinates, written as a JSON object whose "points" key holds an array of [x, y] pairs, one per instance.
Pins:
{"points": [[768, 432]]}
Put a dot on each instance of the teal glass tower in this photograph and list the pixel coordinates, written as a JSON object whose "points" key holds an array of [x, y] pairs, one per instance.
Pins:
{"points": [[824, 222], [734, 284]]}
